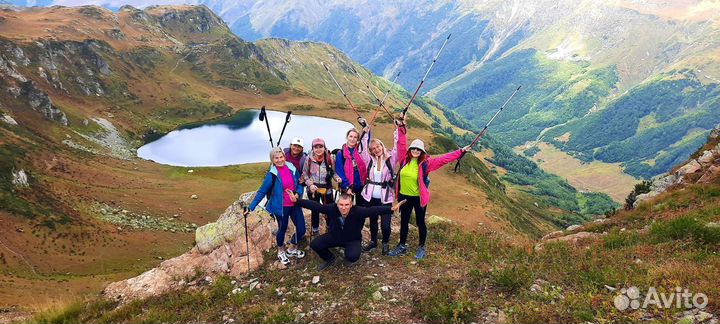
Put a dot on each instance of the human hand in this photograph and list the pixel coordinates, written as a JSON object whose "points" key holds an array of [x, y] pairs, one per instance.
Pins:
{"points": [[362, 122], [293, 196], [466, 149], [397, 206]]}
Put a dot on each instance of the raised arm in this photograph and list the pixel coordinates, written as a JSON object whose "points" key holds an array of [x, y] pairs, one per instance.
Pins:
{"points": [[315, 206], [378, 210], [437, 162], [399, 150], [365, 140]]}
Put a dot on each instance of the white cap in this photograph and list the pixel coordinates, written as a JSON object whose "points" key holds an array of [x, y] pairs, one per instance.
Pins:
{"points": [[297, 141], [418, 144]]}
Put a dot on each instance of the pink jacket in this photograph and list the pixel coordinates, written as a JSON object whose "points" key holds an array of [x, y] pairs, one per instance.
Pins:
{"points": [[432, 165], [400, 145]]}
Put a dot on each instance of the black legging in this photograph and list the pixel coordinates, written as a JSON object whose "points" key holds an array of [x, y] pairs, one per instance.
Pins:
{"points": [[322, 244], [325, 199], [384, 220], [405, 210]]}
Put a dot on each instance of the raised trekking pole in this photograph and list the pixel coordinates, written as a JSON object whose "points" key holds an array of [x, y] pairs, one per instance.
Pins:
{"points": [[287, 121], [344, 94], [263, 116], [424, 77], [381, 103], [484, 130], [247, 241]]}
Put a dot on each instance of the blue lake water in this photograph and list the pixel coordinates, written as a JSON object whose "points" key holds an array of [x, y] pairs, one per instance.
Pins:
{"points": [[240, 139]]}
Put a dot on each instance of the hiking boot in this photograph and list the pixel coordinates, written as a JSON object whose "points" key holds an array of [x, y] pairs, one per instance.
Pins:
{"points": [[295, 253], [385, 249], [349, 264], [283, 258], [326, 264], [400, 249], [369, 246], [420, 254]]}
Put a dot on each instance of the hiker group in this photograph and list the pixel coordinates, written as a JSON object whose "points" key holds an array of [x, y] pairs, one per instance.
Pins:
{"points": [[361, 180], [369, 178]]}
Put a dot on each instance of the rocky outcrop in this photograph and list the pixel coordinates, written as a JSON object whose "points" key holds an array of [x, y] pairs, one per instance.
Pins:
{"points": [[574, 239], [188, 20], [703, 169], [220, 250], [8, 119], [40, 101], [20, 179]]}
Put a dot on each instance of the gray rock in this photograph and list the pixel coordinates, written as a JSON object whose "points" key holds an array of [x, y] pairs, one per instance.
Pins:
{"points": [[20, 179], [41, 102], [715, 133], [536, 288], [8, 119], [703, 316], [377, 296], [707, 158], [690, 167], [573, 227], [315, 279]]}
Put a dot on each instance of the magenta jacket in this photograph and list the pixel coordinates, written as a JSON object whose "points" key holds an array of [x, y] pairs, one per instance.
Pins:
{"points": [[400, 145], [432, 164]]}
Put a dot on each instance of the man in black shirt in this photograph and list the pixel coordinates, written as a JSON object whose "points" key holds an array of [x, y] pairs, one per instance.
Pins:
{"points": [[345, 223]]}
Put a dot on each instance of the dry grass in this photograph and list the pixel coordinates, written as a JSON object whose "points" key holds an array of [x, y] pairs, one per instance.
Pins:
{"points": [[595, 176]]}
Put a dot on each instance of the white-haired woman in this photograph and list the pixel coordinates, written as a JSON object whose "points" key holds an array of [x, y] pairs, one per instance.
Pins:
{"points": [[279, 179]]}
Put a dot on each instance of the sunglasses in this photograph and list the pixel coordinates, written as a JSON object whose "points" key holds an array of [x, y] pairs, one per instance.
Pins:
{"points": [[415, 149], [318, 146]]}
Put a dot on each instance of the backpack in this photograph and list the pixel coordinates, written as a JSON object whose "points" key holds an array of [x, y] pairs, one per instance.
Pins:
{"points": [[272, 186], [390, 183]]}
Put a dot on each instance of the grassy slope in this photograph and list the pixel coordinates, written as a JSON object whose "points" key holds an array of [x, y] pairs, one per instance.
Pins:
{"points": [[59, 242], [467, 275]]}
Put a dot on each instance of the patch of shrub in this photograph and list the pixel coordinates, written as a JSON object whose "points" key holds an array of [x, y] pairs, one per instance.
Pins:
{"points": [[685, 228]]}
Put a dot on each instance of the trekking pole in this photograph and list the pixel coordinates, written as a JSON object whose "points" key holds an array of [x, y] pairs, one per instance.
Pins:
{"points": [[287, 121], [263, 116], [426, 74], [343, 92], [247, 241], [484, 130], [381, 103]]}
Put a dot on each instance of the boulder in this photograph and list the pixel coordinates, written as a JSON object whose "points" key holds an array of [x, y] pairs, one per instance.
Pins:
{"points": [[435, 219], [715, 133], [8, 119], [20, 179], [573, 227], [707, 158], [710, 175], [574, 239], [690, 167], [220, 250]]}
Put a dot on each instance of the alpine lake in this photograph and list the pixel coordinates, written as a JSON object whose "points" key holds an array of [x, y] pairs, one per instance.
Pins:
{"points": [[239, 139]]}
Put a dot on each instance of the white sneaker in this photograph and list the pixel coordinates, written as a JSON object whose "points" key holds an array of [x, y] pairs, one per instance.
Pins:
{"points": [[283, 258], [296, 253]]}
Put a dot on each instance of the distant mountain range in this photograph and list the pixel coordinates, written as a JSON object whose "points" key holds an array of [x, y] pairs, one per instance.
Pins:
{"points": [[596, 74]]}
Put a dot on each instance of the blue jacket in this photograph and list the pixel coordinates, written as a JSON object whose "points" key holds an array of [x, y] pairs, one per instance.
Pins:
{"points": [[275, 198], [340, 171]]}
